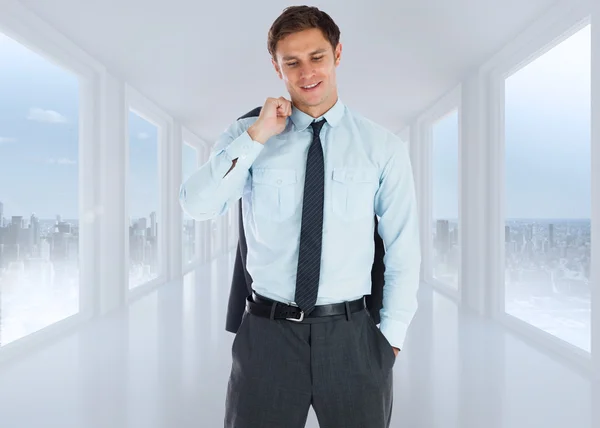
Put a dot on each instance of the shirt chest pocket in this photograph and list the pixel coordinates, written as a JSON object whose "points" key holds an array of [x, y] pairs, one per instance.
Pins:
{"points": [[353, 192], [274, 193]]}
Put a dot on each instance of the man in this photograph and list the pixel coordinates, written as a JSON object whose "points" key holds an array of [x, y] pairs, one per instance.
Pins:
{"points": [[312, 175]]}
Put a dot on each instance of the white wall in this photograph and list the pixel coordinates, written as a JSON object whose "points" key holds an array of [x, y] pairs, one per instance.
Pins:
{"points": [[596, 183]]}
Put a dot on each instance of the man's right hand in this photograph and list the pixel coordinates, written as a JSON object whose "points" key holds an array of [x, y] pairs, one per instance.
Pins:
{"points": [[272, 119]]}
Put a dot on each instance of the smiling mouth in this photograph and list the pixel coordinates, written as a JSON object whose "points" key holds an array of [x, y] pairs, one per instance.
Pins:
{"points": [[312, 87]]}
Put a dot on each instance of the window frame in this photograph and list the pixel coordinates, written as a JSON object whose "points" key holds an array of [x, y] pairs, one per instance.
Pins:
{"points": [[444, 106], [198, 145], [204, 229], [17, 23], [144, 108], [557, 25]]}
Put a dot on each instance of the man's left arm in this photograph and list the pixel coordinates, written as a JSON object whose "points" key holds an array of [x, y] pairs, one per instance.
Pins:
{"points": [[396, 207]]}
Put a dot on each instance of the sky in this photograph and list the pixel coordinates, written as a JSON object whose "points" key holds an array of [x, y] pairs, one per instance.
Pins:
{"points": [[547, 140], [547, 132]]}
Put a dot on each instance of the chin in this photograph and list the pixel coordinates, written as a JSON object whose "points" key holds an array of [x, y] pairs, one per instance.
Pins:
{"points": [[314, 101]]}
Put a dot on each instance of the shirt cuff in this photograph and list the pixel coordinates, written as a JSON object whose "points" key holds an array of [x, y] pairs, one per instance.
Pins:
{"points": [[244, 149], [394, 331]]}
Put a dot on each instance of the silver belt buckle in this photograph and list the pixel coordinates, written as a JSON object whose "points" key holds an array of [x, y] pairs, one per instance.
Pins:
{"points": [[301, 313], [297, 319]]}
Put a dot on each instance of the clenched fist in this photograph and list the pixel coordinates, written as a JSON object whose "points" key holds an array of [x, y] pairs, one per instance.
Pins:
{"points": [[272, 119]]}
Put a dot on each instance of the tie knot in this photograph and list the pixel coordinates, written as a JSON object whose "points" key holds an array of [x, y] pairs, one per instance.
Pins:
{"points": [[316, 126]]}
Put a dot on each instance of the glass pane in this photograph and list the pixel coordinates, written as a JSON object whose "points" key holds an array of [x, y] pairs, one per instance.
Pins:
{"points": [[144, 197], [39, 183], [446, 249], [189, 165], [547, 229]]}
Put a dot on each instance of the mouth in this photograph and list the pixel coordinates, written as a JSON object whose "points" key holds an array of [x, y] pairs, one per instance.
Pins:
{"points": [[309, 88]]}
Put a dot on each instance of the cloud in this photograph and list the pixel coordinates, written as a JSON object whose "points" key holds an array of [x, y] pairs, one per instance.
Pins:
{"points": [[46, 116], [143, 136], [61, 161], [5, 140]]}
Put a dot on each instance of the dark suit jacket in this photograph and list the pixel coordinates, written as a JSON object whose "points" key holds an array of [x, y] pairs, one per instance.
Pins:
{"points": [[241, 285]]}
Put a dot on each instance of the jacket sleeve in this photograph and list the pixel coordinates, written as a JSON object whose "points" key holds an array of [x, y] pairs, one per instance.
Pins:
{"points": [[210, 191]]}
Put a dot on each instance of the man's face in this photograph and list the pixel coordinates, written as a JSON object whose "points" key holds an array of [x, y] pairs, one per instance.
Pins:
{"points": [[306, 58]]}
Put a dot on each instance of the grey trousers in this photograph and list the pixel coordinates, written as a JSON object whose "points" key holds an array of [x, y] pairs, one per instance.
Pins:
{"points": [[342, 367]]}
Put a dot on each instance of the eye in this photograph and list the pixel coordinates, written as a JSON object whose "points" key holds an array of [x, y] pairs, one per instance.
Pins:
{"points": [[291, 64], [317, 58]]}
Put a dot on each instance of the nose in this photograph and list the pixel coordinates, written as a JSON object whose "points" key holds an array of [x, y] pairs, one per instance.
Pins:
{"points": [[307, 71]]}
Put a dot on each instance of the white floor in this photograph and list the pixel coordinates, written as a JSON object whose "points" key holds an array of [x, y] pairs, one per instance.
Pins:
{"points": [[165, 362]]}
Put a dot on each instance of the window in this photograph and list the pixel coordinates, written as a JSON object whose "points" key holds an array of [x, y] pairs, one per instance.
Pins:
{"points": [[189, 164], [446, 249], [231, 228], [548, 180], [144, 196], [39, 183]]}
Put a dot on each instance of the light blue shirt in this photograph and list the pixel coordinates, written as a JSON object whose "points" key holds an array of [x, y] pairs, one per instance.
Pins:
{"points": [[367, 172]]}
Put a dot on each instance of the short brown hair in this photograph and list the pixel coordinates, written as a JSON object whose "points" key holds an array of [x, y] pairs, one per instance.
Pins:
{"points": [[294, 19]]}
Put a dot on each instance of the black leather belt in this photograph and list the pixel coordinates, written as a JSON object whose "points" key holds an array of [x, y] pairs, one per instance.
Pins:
{"points": [[264, 307]]}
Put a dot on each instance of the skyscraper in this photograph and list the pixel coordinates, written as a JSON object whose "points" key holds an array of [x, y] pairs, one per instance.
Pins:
{"points": [[34, 235], [153, 225], [443, 236]]}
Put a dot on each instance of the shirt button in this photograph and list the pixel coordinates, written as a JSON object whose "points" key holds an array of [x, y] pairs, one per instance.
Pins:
{"points": [[279, 181]]}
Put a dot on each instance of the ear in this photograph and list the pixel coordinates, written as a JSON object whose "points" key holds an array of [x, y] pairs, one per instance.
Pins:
{"points": [[277, 69], [338, 54]]}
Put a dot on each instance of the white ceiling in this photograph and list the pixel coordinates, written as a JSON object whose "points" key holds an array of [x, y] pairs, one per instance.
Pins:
{"points": [[206, 63]]}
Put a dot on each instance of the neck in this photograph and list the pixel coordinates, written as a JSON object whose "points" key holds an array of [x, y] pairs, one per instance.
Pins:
{"points": [[318, 110]]}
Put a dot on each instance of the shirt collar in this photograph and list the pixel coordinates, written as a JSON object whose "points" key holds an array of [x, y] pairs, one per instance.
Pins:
{"points": [[333, 116]]}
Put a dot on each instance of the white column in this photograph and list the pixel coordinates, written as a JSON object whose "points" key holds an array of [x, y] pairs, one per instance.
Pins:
{"points": [[426, 189], [113, 274], [416, 159], [89, 189], [234, 229], [204, 227], [474, 245], [223, 235], [595, 154], [175, 216]]}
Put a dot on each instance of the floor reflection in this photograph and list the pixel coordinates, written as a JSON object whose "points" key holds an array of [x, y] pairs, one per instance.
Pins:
{"points": [[164, 362]]}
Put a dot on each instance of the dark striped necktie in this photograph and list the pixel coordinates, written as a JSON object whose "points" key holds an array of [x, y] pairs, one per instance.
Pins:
{"points": [[311, 230]]}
